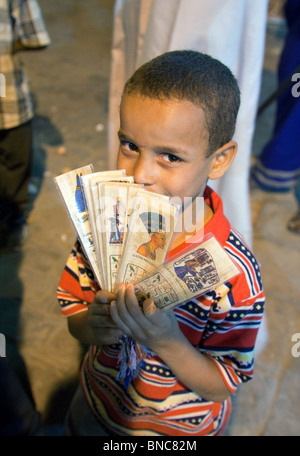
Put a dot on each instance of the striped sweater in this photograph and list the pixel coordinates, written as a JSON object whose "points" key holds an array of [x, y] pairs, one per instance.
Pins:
{"points": [[222, 323]]}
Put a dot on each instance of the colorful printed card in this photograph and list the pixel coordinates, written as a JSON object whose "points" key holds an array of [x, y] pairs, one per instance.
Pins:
{"points": [[69, 185], [90, 185], [187, 275], [150, 228], [114, 224]]}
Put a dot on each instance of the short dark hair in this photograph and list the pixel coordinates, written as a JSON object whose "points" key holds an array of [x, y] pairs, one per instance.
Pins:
{"points": [[198, 78]]}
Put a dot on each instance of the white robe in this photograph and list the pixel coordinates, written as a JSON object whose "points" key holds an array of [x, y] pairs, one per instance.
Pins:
{"points": [[233, 31]]}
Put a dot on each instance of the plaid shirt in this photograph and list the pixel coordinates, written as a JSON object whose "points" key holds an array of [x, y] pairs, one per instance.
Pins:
{"points": [[21, 26]]}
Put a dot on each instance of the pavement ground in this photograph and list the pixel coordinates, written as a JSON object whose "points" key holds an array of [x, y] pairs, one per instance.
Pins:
{"points": [[70, 83]]}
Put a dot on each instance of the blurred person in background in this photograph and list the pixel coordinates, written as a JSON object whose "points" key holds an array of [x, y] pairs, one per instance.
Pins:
{"points": [[278, 167], [22, 27]]}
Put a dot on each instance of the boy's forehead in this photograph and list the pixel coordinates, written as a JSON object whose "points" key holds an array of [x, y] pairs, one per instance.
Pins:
{"points": [[136, 109]]}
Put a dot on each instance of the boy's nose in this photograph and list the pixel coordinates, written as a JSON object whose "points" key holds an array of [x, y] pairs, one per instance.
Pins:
{"points": [[143, 172]]}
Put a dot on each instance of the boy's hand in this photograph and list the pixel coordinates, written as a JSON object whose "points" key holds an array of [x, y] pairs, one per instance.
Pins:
{"points": [[104, 330], [159, 331], [149, 326]]}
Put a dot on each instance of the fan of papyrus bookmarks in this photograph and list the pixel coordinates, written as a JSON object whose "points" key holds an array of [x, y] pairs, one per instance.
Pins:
{"points": [[125, 232]]}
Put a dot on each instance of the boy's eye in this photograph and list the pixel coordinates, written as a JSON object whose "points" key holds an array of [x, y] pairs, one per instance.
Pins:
{"points": [[171, 158], [129, 146]]}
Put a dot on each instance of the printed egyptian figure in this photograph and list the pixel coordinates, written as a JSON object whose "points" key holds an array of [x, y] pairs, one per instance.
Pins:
{"points": [[117, 223], [81, 214], [155, 225], [79, 198], [189, 268], [197, 270]]}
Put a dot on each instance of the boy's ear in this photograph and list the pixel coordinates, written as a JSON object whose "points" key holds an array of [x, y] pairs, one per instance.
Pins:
{"points": [[222, 159]]}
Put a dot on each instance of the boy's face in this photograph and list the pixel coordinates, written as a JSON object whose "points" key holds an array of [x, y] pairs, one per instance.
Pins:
{"points": [[163, 145]]}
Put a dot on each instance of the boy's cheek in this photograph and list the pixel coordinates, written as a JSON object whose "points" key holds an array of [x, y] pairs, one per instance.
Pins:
{"points": [[120, 156], [122, 163], [119, 160]]}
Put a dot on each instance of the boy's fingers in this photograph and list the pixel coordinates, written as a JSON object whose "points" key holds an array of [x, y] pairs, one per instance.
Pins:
{"points": [[132, 302], [97, 308], [149, 307], [104, 297], [152, 313], [117, 320], [128, 308], [144, 317], [101, 321], [129, 312], [156, 316]]}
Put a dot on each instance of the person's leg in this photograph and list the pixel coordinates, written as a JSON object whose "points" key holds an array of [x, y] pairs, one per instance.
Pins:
{"points": [[15, 171]]}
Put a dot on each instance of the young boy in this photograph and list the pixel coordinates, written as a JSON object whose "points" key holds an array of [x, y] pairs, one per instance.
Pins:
{"points": [[177, 118]]}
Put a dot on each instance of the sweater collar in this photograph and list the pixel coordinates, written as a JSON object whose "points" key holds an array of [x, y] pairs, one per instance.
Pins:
{"points": [[218, 225]]}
